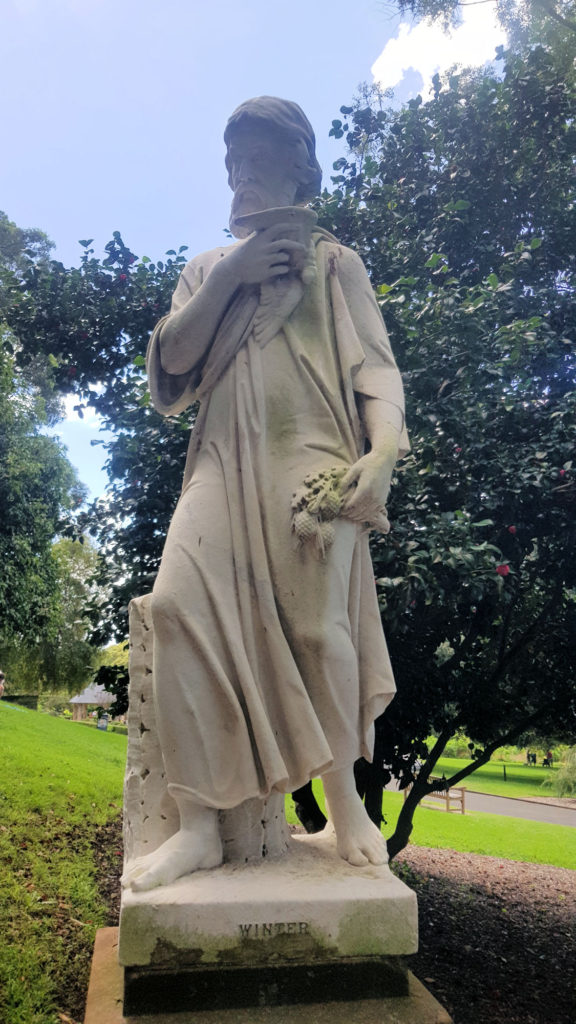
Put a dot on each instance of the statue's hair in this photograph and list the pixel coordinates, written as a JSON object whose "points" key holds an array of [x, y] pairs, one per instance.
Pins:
{"points": [[288, 121]]}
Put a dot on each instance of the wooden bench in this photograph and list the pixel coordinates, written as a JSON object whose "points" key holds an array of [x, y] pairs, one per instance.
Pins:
{"points": [[454, 800]]}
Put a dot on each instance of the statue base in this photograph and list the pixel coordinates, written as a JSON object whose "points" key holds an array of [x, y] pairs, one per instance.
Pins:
{"points": [[105, 994], [297, 929]]}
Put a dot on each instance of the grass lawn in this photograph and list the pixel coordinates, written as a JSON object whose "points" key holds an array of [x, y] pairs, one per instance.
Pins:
{"points": [[510, 838], [59, 781], [521, 781]]}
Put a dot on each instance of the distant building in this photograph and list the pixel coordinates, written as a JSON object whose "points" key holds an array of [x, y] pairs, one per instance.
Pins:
{"points": [[91, 695]]}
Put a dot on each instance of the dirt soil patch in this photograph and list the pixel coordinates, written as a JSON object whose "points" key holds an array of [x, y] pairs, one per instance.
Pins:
{"points": [[496, 936]]}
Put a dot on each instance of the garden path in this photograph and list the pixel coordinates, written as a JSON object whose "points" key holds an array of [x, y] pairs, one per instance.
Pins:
{"points": [[513, 807]]}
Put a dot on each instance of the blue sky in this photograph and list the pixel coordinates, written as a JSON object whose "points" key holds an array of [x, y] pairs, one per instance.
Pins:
{"points": [[113, 110]]}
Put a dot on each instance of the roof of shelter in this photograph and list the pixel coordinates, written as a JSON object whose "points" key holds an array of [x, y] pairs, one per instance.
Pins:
{"points": [[95, 694]]}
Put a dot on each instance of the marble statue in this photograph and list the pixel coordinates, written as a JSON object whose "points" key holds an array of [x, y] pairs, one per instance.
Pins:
{"points": [[270, 663]]}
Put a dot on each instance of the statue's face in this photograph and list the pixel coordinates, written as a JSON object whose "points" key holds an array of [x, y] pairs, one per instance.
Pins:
{"points": [[263, 170]]}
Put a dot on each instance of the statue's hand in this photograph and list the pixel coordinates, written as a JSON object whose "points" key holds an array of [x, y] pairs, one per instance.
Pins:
{"points": [[366, 485], [263, 256]]}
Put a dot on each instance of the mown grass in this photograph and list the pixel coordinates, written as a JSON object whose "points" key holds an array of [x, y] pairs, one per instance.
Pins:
{"points": [[59, 782], [511, 779], [533, 842]]}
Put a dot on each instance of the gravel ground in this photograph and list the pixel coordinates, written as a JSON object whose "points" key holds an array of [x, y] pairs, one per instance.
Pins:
{"points": [[496, 936]]}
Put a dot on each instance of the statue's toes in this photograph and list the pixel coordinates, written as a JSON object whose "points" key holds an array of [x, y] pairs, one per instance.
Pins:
{"points": [[357, 858], [129, 877], [134, 870], [145, 881], [377, 857]]}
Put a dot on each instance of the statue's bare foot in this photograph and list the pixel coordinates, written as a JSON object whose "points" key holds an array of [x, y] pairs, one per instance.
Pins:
{"points": [[190, 849], [358, 840]]}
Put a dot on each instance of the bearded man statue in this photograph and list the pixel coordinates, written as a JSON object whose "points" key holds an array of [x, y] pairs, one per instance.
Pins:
{"points": [[270, 662]]}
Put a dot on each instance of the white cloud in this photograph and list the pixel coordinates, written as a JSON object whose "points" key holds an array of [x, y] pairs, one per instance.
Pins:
{"points": [[90, 418], [427, 49]]}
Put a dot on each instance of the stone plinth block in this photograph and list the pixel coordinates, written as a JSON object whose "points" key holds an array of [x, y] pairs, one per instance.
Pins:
{"points": [[105, 996], [310, 906]]}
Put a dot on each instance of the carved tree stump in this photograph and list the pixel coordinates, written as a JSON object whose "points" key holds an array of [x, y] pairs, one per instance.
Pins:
{"points": [[251, 831]]}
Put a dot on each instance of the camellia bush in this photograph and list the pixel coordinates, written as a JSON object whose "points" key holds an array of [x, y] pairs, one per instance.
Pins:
{"points": [[463, 210]]}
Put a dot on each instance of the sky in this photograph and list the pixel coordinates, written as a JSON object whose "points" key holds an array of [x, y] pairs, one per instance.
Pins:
{"points": [[113, 111]]}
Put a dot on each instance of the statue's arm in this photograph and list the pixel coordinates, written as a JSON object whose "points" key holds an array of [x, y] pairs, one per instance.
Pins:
{"points": [[188, 332], [378, 376], [368, 480], [379, 398]]}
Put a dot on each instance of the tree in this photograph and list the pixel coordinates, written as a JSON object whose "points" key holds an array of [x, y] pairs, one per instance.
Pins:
{"points": [[38, 487], [92, 323], [20, 248], [38, 491], [16, 243], [61, 658], [462, 210], [526, 21], [71, 657]]}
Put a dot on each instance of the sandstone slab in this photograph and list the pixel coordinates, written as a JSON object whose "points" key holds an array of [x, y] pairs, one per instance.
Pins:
{"points": [[104, 1002], [306, 906]]}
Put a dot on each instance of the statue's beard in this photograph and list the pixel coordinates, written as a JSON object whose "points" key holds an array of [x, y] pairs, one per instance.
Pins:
{"points": [[251, 198]]}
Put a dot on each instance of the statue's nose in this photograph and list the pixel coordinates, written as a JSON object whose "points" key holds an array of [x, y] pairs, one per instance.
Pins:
{"points": [[245, 174]]}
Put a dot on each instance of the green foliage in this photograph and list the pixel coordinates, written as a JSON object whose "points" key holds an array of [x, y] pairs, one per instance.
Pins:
{"points": [[93, 323], [526, 21], [114, 654], [17, 243], [38, 487], [565, 781], [115, 679], [59, 782], [18, 248], [462, 209], [112, 673], [54, 703], [40, 641], [61, 656]]}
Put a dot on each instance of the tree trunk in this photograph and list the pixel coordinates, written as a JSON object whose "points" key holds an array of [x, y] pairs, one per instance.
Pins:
{"points": [[403, 830], [307, 809]]}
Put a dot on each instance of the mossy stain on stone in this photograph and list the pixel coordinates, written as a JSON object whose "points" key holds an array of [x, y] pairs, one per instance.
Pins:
{"points": [[282, 947]]}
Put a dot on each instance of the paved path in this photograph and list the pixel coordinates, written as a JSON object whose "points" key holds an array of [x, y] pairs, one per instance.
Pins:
{"points": [[531, 809]]}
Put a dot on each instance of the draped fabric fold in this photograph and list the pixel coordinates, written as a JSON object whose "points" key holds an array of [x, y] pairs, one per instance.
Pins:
{"points": [[270, 664]]}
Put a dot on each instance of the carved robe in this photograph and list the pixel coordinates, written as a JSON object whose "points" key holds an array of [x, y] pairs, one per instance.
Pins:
{"points": [[270, 663]]}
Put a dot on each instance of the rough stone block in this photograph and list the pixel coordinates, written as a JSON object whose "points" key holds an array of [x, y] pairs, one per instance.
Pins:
{"points": [[308, 906], [104, 1002]]}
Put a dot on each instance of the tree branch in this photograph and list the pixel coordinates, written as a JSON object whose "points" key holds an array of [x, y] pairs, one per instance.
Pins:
{"points": [[505, 659], [551, 10], [546, 4]]}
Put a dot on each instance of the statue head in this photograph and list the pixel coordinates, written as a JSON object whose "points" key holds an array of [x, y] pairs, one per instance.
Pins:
{"points": [[270, 156]]}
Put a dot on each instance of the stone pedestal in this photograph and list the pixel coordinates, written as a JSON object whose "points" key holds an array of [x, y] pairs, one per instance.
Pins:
{"points": [[105, 993], [295, 929]]}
